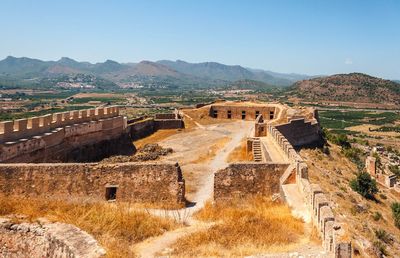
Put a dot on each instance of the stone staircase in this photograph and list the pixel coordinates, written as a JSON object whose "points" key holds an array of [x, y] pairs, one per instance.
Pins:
{"points": [[257, 153]]}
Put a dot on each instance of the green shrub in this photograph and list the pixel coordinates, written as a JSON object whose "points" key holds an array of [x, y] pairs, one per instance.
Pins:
{"points": [[396, 213], [364, 185], [382, 235], [377, 216]]}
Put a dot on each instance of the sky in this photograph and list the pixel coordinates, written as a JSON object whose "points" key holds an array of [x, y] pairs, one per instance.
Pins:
{"points": [[315, 37]]}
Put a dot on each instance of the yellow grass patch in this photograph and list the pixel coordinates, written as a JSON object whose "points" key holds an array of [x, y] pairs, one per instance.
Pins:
{"points": [[115, 226], [98, 95], [243, 228], [365, 128], [155, 137], [212, 151], [240, 153]]}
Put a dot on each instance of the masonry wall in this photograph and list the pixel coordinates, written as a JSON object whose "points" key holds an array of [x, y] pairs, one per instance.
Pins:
{"points": [[236, 111], [26, 128], [87, 141], [136, 182], [141, 129], [46, 240], [300, 132], [146, 127], [241, 180], [318, 203]]}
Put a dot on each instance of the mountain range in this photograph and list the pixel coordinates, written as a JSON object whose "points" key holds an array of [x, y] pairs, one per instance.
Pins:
{"points": [[164, 73]]}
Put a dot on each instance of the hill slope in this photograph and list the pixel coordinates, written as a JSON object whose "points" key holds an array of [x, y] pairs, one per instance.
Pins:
{"points": [[353, 87]]}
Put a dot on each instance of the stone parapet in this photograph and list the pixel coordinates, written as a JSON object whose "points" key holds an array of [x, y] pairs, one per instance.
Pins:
{"points": [[131, 181], [26, 128], [322, 214]]}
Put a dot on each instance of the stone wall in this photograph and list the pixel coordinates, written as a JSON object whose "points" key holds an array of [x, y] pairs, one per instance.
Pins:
{"points": [[87, 141], [143, 128], [240, 180], [46, 240], [260, 127], [251, 112], [300, 132], [136, 182], [26, 128], [317, 202]]}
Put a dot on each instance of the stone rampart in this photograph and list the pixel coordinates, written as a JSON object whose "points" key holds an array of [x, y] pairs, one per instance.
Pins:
{"points": [[136, 182], [240, 180], [244, 112], [46, 240], [317, 202], [300, 132], [142, 128], [26, 128], [60, 144]]}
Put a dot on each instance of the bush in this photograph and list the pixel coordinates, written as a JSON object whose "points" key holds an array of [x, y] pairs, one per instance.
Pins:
{"points": [[384, 236], [377, 216], [396, 213], [364, 185]]}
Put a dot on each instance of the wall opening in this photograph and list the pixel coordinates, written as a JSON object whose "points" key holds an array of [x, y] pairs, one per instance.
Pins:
{"points": [[243, 114], [257, 114], [111, 193], [271, 114], [215, 113], [229, 114]]}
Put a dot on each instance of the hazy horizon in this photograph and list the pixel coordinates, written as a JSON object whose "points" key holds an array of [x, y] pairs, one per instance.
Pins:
{"points": [[312, 37]]}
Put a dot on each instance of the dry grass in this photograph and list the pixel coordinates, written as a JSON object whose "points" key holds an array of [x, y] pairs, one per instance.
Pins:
{"points": [[240, 153], [243, 228], [334, 173], [115, 226], [156, 137], [98, 95], [212, 151]]}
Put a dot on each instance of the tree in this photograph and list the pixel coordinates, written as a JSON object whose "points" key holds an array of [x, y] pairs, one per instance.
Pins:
{"points": [[364, 185], [396, 213]]}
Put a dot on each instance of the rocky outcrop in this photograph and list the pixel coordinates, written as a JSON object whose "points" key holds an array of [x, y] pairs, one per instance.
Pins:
{"points": [[46, 240]]}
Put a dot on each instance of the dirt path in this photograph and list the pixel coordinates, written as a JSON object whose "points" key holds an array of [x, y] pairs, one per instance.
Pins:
{"points": [[185, 145]]}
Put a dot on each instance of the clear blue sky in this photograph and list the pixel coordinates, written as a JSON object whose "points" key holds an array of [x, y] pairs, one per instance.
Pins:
{"points": [[311, 37]]}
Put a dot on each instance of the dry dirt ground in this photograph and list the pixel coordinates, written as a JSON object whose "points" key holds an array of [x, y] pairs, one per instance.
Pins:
{"points": [[201, 150], [198, 151]]}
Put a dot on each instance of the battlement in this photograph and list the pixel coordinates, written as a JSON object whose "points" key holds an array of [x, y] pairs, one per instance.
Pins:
{"points": [[320, 208], [25, 128]]}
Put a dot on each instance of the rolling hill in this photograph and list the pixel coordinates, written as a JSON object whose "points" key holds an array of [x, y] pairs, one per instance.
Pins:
{"points": [[353, 87]]}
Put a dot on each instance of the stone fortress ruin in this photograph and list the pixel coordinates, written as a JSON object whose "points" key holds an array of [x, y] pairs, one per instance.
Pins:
{"points": [[59, 156]]}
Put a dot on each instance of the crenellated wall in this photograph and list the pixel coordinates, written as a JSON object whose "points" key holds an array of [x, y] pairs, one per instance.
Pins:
{"points": [[65, 138], [317, 202], [26, 128]]}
